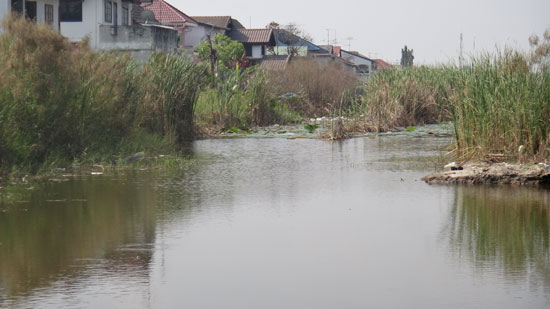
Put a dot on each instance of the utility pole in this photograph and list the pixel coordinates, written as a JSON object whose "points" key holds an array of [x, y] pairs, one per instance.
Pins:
{"points": [[460, 56]]}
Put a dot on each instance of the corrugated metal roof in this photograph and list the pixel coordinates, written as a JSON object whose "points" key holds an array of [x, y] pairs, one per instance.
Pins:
{"points": [[274, 63], [358, 54], [252, 35], [166, 13]]}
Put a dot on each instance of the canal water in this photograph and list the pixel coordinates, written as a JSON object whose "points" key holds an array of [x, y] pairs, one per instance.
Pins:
{"points": [[277, 223]]}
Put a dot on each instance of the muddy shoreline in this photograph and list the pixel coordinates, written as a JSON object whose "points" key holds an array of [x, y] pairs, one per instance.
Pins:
{"points": [[497, 173]]}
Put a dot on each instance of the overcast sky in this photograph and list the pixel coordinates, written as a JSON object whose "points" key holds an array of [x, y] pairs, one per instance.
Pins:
{"points": [[381, 28]]}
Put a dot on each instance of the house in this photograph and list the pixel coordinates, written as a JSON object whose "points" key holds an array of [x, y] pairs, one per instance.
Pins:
{"points": [[365, 65], [210, 25], [256, 41], [115, 25], [168, 15], [41, 11], [380, 64], [289, 43]]}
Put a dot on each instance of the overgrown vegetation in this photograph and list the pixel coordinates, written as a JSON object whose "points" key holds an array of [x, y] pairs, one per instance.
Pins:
{"points": [[242, 96], [60, 104], [500, 103]]}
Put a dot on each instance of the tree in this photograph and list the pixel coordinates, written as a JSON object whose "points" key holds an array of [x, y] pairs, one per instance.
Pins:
{"points": [[220, 50], [290, 35], [540, 53], [407, 57]]}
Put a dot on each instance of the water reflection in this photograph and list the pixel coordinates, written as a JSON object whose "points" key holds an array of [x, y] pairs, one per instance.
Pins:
{"points": [[64, 230], [503, 229]]}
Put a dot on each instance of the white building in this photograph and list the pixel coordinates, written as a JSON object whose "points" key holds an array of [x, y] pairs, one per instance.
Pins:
{"points": [[41, 11], [364, 64], [120, 25]]}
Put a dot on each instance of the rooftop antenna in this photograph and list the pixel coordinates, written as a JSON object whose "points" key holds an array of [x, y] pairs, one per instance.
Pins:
{"points": [[349, 42], [249, 21], [328, 36]]}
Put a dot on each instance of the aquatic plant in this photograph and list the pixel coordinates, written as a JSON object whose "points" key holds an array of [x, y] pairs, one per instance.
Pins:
{"points": [[499, 104]]}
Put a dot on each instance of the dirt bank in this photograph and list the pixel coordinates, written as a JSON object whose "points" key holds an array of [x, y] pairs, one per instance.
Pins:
{"points": [[497, 173]]}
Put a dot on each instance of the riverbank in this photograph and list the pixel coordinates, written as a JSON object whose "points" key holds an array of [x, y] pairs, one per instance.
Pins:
{"points": [[493, 173]]}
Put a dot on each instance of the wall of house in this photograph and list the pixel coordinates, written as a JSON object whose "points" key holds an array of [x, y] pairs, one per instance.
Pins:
{"points": [[357, 60], [5, 8], [41, 12], [194, 36], [256, 52], [301, 51], [93, 16], [140, 40]]}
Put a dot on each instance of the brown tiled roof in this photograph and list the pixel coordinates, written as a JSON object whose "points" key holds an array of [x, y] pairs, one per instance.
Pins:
{"points": [[274, 63], [381, 64], [166, 13], [252, 35], [221, 22]]}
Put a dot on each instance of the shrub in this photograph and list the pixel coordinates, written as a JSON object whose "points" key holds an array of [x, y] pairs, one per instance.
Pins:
{"points": [[320, 84]]}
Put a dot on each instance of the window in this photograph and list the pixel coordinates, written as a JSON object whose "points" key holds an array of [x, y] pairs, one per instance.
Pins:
{"points": [[30, 10], [115, 13], [108, 12], [125, 15], [17, 6], [48, 14], [70, 10]]}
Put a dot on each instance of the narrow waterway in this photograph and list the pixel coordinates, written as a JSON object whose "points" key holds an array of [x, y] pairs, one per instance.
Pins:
{"points": [[277, 223]]}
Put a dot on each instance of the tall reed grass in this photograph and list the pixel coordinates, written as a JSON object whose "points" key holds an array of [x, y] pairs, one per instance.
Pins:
{"points": [[60, 103], [499, 104]]}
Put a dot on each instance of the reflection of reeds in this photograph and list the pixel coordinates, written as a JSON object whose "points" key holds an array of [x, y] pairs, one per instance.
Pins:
{"points": [[70, 224], [506, 228]]}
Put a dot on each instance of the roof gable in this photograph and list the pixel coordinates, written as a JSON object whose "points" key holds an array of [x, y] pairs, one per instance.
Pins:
{"points": [[357, 54], [282, 35], [166, 13], [222, 22]]}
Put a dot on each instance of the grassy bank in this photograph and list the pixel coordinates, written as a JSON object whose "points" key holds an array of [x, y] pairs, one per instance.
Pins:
{"points": [[500, 104], [60, 104]]}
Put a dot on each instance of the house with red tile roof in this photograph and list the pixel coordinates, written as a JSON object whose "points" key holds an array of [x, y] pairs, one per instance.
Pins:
{"points": [[380, 64], [168, 15], [115, 25]]}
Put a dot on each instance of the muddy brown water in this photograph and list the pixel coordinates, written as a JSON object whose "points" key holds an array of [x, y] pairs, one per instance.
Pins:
{"points": [[277, 223]]}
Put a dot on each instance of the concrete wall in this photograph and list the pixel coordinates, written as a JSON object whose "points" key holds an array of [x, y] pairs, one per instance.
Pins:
{"points": [[141, 40], [196, 35]]}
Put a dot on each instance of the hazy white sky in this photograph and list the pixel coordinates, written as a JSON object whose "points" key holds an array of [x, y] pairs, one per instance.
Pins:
{"points": [[381, 28]]}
